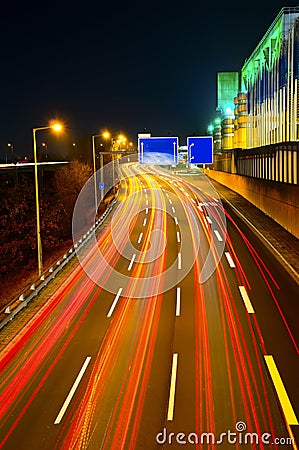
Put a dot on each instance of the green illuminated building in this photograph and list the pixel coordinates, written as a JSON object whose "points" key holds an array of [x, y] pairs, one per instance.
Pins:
{"points": [[227, 89], [269, 78]]}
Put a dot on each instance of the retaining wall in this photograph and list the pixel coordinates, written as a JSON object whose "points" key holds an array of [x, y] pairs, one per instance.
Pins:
{"points": [[280, 201]]}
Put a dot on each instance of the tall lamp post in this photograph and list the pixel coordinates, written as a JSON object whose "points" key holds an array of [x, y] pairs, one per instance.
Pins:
{"points": [[113, 144], [95, 170], [56, 127], [117, 145], [105, 135], [10, 145], [76, 150], [45, 146]]}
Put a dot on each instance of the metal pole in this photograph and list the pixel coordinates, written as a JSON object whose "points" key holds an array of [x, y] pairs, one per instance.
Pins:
{"points": [[39, 242], [94, 174], [102, 174], [113, 166]]}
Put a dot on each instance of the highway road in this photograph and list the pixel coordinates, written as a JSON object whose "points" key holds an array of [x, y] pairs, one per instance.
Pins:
{"points": [[175, 327]]}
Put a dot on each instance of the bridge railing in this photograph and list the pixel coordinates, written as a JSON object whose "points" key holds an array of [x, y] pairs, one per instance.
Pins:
{"points": [[275, 162]]}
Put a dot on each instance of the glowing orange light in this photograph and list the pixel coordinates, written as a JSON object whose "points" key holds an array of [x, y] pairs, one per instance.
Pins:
{"points": [[56, 126], [106, 135]]}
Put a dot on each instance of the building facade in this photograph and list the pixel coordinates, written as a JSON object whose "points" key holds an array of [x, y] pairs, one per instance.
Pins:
{"points": [[264, 94], [270, 80]]}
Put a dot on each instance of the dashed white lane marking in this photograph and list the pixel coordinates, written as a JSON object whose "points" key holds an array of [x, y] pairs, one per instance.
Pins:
{"points": [[140, 237], [144, 222], [173, 209], [218, 235], [179, 260], [114, 302], [230, 260], [72, 391], [178, 302], [176, 220], [178, 236], [132, 262]]}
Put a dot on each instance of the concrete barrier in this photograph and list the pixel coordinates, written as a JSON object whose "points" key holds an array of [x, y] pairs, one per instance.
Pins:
{"points": [[280, 201]]}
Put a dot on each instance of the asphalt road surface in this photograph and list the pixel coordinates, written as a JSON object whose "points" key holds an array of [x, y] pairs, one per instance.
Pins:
{"points": [[175, 327]]}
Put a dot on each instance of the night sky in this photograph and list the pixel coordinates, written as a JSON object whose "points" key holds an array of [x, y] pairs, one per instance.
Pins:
{"points": [[126, 66]]}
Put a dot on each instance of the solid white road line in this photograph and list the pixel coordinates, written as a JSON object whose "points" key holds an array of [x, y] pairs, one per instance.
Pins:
{"points": [[246, 300], [178, 236], [218, 235], [179, 260], [132, 262], [230, 260], [114, 302], [72, 391], [281, 391], [144, 222], [178, 302], [172, 387], [140, 237]]}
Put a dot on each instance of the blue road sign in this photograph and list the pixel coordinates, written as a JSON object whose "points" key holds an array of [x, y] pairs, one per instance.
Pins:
{"points": [[158, 150], [200, 149]]}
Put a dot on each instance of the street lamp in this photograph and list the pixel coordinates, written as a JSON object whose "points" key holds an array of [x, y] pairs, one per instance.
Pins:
{"points": [[10, 145], [94, 171], [106, 135], [56, 127], [45, 146], [117, 145]]}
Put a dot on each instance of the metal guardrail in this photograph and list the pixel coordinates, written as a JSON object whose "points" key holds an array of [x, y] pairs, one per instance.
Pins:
{"points": [[10, 311]]}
